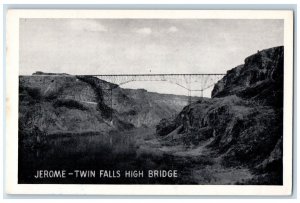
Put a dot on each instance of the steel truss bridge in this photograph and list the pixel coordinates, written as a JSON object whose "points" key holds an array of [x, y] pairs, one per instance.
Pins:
{"points": [[186, 81]]}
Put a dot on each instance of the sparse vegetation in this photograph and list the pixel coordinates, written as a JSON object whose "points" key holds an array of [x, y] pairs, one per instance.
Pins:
{"points": [[72, 104], [98, 87]]}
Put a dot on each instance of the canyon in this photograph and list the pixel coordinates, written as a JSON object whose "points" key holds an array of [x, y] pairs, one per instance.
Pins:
{"points": [[234, 137]]}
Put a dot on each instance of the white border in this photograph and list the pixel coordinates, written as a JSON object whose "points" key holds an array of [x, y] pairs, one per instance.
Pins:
{"points": [[12, 70]]}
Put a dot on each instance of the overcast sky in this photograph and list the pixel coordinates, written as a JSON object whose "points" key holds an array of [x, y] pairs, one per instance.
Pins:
{"points": [[117, 46]]}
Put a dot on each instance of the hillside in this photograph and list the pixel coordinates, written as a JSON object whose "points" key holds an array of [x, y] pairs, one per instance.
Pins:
{"points": [[260, 78], [142, 108], [75, 104], [242, 124]]}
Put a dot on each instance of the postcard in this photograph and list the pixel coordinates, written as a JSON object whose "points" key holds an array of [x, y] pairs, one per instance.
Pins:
{"points": [[149, 102]]}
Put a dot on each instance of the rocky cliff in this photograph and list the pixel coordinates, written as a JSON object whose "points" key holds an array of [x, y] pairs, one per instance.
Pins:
{"points": [[243, 121], [142, 108], [260, 78], [77, 104]]}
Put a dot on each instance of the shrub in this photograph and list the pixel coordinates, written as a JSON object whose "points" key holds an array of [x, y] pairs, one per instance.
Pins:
{"points": [[34, 93], [68, 103]]}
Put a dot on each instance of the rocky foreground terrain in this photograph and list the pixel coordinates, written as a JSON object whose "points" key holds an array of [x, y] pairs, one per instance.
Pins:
{"points": [[235, 137]]}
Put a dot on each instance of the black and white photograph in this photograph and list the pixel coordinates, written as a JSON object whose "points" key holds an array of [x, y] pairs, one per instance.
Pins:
{"points": [[161, 100]]}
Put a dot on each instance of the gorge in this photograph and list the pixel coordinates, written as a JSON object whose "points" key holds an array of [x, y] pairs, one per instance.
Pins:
{"points": [[234, 137]]}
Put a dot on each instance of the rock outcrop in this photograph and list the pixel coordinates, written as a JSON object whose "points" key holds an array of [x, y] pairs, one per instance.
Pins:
{"points": [[243, 120], [260, 78]]}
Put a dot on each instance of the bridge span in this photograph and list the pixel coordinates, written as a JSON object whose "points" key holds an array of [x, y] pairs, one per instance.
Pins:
{"points": [[202, 81]]}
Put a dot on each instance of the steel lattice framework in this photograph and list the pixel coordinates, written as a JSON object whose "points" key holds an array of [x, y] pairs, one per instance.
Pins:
{"points": [[204, 81]]}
